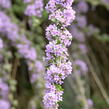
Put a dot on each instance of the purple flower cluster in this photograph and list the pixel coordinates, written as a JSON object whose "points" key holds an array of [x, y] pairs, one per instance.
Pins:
{"points": [[58, 65], [34, 7], [8, 28], [4, 104], [81, 67], [64, 35], [11, 31], [25, 49], [5, 3], [82, 6], [24, 46], [61, 11], [4, 91]]}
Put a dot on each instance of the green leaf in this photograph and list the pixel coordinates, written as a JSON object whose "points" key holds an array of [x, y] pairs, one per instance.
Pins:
{"points": [[59, 87]]}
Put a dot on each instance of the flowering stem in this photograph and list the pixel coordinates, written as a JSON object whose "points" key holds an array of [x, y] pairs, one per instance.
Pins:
{"points": [[59, 67]]}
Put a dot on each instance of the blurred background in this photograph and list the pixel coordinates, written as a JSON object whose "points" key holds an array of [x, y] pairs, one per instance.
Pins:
{"points": [[22, 65]]}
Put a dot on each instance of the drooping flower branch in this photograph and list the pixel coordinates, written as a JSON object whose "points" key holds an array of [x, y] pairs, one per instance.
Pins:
{"points": [[5, 102], [59, 67], [79, 52], [34, 9], [24, 46]]}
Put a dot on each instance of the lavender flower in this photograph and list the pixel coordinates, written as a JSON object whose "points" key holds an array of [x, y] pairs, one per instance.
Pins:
{"points": [[5, 3], [64, 17], [77, 34], [52, 32], [90, 102], [81, 21], [27, 51], [4, 78], [81, 66], [35, 8], [8, 28], [4, 89], [11, 31], [4, 104], [58, 65], [82, 6]]}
